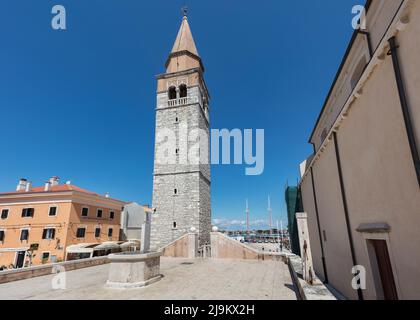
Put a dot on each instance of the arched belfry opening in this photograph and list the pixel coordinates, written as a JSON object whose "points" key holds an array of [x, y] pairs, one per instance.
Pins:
{"points": [[183, 91], [172, 93]]}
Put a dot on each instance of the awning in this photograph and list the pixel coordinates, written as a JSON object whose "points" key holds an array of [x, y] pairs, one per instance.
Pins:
{"points": [[14, 249], [129, 244], [107, 246], [81, 248]]}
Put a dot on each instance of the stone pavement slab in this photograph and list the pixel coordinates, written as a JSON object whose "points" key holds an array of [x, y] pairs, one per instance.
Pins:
{"points": [[183, 279]]}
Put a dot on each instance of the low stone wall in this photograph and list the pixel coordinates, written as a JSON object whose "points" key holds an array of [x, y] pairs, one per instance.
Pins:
{"points": [[223, 247], [317, 291], [177, 248], [42, 270]]}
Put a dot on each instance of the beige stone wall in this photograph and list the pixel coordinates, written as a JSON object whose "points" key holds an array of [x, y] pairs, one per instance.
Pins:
{"points": [[191, 79], [409, 42], [332, 220], [223, 247], [378, 18], [43, 270], [181, 63], [309, 208], [380, 180], [378, 172], [177, 249]]}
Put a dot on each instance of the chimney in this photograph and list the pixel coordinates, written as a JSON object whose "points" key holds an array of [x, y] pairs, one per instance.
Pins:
{"points": [[28, 187], [47, 186], [22, 185], [54, 181]]}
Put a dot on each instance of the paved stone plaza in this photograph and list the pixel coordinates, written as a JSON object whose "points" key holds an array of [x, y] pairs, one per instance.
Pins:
{"points": [[183, 279]]}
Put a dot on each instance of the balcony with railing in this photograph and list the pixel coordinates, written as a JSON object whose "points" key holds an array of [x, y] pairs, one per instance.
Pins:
{"points": [[178, 102]]}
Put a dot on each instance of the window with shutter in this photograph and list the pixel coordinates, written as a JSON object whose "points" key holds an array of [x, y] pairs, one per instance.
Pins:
{"points": [[48, 234], [85, 212], [80, 233], [4, 213], [28, 212], [24, 235], [53, 211]]}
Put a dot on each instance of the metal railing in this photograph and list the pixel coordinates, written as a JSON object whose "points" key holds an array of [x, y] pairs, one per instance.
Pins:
{"points": [[204, 251]]}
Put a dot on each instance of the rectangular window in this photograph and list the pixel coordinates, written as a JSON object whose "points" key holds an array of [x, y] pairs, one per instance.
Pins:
{"points": [[28, 212], [24, 234], [80, 233], [97, 232], [52, 212], [48, 234], [112, 215], [110, 231], [175, 191], [45, 257], [99, 213], [4, 214], [85, 212], [2, 235]]}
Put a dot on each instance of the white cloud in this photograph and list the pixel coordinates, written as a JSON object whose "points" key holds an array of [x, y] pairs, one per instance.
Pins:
{"points": [[239, 224]]}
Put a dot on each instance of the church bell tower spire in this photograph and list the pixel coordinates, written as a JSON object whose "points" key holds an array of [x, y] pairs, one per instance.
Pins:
{"points": [[181, 189]]}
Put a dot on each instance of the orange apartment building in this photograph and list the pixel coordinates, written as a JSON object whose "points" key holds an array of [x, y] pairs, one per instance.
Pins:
{"points": [[38, 224]]}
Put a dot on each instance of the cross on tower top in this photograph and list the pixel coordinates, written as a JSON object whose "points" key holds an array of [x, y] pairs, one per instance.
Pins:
{"points": [[184, 10]]}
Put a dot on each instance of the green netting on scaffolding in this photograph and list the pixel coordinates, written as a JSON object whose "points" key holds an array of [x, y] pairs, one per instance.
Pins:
{"points": [[294, 204]]}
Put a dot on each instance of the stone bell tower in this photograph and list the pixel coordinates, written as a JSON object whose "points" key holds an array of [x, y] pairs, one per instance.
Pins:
{"points": [[181, 186]]}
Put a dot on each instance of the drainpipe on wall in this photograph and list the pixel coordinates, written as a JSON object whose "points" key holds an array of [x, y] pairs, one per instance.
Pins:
{"points": [[393, 52], [346, 210], [324, 265]]}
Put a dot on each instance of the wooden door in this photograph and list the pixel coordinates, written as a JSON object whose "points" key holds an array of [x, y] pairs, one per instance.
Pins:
{"points": [[385, 269]]}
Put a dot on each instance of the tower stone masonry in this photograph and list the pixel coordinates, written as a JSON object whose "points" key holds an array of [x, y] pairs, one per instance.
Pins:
{"points": [[181, 190]]}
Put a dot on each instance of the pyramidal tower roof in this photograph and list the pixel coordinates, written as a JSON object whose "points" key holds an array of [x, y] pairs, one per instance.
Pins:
{"points": [[184, 55], [185, 41]]}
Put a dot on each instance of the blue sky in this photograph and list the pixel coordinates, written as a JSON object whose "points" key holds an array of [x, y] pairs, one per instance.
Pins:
{"points": [[80, 103]]}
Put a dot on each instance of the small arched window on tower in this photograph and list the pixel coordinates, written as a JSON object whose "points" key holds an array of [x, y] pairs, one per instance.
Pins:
{"points": [[172, 93], [183, 91]]}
